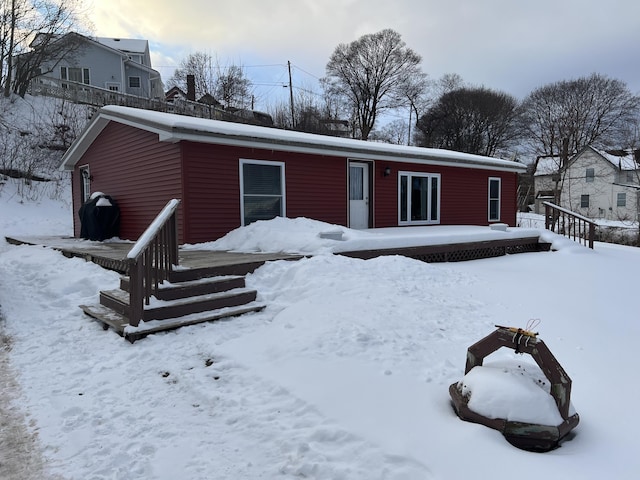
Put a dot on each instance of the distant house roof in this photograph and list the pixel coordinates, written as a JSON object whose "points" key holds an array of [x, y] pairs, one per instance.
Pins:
{"points": [[173, 93], [174, 128], [623, 159], [131, 45], [547, 165]]}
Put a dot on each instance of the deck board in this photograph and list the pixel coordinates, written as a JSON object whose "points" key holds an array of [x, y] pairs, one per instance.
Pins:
{"points": [[112, 255]]}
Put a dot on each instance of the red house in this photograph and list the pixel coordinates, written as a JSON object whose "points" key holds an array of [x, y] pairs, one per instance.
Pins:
{"points": [[229, 174]]}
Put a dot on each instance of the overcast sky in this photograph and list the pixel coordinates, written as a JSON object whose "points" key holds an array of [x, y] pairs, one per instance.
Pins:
{"points": [[510, 45]]}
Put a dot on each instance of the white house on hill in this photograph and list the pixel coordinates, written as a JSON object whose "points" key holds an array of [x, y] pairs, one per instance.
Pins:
{"points": [[114, 64], [594, 183]]}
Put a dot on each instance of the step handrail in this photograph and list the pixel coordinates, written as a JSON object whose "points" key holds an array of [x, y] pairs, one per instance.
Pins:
{"points": [[570, 224], [152, 259]]}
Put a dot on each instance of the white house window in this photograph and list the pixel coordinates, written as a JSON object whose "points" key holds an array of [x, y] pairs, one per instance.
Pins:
{"points": [[75, 74], [584, 201], [85, 183], [622, 200], [494, 199], [590, 175], [134, 82], [630, 177], [419, 198], [262, 190]]}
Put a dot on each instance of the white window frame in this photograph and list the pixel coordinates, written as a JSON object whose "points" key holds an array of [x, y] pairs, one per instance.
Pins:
{"points": [[621, 200], [590, 175], [497, 199], [139, 81], [244, 162], [86, 74], [409, 176], [585, 201], [85, 183]]}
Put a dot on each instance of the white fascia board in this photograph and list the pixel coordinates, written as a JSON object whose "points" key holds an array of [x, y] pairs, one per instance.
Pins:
{"points": [[337, 151]]}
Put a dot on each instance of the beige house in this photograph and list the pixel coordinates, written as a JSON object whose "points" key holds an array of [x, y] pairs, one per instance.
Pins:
{"points": [[594, 183]]}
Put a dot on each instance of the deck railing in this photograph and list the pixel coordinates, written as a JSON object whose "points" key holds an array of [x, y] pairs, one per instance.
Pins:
{"points": [[151, 260], [99, 97], [570, 224]]}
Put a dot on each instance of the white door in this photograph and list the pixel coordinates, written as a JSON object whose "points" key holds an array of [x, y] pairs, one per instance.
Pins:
{"points": [[358, 195]]}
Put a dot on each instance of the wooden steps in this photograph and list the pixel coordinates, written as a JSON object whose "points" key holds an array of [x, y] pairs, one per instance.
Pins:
{"points": [[191, 296]]}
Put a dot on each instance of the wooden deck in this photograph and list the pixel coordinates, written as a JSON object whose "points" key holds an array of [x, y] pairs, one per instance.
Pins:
{"points": [[197, 267], [113, 255]]}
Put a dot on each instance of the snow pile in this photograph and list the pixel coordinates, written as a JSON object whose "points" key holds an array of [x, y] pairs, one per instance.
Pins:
{"points": [[306, 236], [509, 392]]}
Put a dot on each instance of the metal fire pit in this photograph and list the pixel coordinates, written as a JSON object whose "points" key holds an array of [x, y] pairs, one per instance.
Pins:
{"points": [[527, 436]]}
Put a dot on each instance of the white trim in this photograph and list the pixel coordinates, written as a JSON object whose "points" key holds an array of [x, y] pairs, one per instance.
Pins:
{"points": [[129, 77], [491, 179], [85, 182], [246, 161], [409, 175], [367, 188]]}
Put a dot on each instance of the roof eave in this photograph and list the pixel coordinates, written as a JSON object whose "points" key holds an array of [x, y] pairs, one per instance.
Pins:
{"points": [[174, 134], [178, 134]]}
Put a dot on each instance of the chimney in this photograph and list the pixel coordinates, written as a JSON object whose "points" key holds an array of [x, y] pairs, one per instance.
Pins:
{"points": [[191, 88]]}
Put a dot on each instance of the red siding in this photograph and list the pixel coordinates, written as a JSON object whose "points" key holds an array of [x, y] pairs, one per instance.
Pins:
{"points": [[139, 172], [142, 174], [464, 194], [315, 187]]}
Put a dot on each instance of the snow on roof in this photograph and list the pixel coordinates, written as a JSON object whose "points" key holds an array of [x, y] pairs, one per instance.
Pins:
{"points": [[625, 162], [133, 45], [174, 128], [547, 166]]}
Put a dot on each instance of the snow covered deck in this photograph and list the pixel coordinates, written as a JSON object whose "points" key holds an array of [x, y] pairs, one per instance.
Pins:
{"points": [[307, 237]]}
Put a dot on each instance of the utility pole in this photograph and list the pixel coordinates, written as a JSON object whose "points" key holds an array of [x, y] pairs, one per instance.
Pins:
{"points": [[293, 118]]}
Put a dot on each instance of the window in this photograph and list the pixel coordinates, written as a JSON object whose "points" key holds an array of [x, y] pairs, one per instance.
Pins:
{"points": [[591, 174], [74, 74], [494, 199], [134, 82], [262, 190], [85, 183], [584, 201], [356, 183], [630, 177], [419, 198], [622, 200]]}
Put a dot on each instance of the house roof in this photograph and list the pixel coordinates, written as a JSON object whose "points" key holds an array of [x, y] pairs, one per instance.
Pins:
{"points": [[547, 165], [131, 45], [625, 160], [175, 128]]}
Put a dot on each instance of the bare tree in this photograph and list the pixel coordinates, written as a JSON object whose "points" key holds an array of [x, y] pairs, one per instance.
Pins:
{"points": [[200, 65], [395, 132], [471, 120], [31, 32], [374, 73], [449, 82], [563, 117], [232, 87], [226, 83]]}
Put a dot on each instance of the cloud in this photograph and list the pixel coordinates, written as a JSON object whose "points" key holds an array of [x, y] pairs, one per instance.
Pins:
{"points": [[502, 44]]}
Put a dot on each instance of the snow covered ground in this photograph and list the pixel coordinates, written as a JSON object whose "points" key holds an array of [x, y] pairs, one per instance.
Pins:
{"points": [[344, 375]]}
